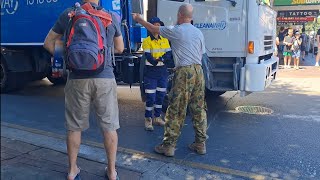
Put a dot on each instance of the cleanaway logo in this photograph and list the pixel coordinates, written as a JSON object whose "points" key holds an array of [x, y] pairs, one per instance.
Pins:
{"points": [[9, 6], [214, 26]]}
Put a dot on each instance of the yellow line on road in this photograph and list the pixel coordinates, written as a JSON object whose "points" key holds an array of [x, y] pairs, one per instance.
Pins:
{"points": [[149, 155]]}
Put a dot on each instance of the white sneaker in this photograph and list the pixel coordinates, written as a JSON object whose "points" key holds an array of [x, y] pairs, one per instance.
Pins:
{"points": [[317, 64], [289, 67]]}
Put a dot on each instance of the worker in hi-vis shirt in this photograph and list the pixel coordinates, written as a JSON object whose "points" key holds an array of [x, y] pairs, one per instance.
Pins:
{"points": [[157, 52]]}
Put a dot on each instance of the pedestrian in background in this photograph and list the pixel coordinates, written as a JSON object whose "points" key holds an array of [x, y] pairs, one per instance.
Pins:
{"points": [[83, 91], [157, 52], [318, 54], [279, 42], [296, 51], [287, 51], [304, 42], [188, 89]]}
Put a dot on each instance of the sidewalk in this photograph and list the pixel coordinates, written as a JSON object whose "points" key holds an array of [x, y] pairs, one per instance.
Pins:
{"points": [[34, 154], [307, 69], [21, 161]]}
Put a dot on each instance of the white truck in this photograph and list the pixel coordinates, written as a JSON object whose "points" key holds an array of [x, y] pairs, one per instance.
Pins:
{"points": [[240, 41]]}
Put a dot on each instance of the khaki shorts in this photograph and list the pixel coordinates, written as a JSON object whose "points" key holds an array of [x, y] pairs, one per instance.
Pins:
{"points": [[100, 94]]}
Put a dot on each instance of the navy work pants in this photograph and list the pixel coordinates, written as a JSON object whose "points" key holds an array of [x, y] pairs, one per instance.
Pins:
{"points": [[155, 84]]}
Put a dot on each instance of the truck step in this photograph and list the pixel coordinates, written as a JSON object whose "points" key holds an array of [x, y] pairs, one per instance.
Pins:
{"points": [[222, 89], [222, 70]]}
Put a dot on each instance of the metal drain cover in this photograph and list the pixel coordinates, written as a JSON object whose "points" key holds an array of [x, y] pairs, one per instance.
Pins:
{"points": [[254, 110]]}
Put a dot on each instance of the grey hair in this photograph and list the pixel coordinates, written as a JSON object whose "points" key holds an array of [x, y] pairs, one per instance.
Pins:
{"points": [[186, 10]]}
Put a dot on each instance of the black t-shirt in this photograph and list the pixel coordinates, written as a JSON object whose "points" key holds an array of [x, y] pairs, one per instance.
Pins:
{"points": [[281, 36], [318, 33]]}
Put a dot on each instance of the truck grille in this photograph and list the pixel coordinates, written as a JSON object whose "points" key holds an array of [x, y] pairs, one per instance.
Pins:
{"points": [[268, 42]]}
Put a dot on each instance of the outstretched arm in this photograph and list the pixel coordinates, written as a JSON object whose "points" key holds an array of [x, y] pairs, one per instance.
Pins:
{"points": [[149, 26]]}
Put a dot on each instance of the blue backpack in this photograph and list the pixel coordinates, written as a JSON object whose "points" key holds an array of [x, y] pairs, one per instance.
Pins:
{"points": [[86, 40]]}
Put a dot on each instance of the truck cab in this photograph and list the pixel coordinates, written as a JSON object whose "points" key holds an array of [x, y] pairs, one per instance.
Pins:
{"points": [[240, 41], [25, 24]]}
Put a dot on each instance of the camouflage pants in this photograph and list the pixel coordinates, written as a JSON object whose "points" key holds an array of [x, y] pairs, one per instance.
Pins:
{"points": [[188, 91]]}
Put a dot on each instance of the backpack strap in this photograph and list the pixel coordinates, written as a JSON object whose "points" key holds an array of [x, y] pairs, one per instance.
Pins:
{"points": [[105, 17]]}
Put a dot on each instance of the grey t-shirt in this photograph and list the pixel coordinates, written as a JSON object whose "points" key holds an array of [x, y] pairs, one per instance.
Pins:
{"points": [[187, 43], [113, 30], [287, 48]]}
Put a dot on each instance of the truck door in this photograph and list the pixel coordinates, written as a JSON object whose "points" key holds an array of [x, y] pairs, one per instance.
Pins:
{"points": [[223, 26]]}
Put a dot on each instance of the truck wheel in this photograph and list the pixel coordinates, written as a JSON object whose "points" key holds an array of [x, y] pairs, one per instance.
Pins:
{"points": [[4, 76], [214, 93]]}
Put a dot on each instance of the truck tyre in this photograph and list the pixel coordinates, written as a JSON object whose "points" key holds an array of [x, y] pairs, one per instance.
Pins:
{"points": [[4, 75], [214, 93]]}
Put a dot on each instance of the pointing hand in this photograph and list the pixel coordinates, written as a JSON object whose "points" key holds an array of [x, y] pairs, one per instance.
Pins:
{"points": [[136, 17]]}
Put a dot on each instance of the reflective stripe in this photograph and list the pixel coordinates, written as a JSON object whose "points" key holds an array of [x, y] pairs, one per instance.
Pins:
{"points": [[158, 50], [161, 89], [160, 63], [168, 49], [147, 50], [150, 91], [157, 106], [149, 108]]}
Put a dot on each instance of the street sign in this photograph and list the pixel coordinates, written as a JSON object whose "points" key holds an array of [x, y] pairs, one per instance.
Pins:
{"points": [[298, 13], [295, 2], [295, 19], [286, 23]]}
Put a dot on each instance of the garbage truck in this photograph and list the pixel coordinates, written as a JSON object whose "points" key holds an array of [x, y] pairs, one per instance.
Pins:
{"points": [[25, 24], [239, 38]]}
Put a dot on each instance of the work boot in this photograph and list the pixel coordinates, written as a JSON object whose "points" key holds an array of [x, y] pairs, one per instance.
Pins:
{"points": [[148, 124], [158, 121], [166, 150], [199, 148]]}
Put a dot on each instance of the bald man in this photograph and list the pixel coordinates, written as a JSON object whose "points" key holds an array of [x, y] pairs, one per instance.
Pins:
{"points": [[188, 90]]}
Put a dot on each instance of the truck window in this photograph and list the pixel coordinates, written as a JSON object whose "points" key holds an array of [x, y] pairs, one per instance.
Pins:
{"points": [[177, 0]]}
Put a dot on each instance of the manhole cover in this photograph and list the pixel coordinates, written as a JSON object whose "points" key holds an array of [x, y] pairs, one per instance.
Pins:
{"points": [[254, 110]]}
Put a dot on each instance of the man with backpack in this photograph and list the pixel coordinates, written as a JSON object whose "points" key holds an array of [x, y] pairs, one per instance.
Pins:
{"points": [[90, 37]]}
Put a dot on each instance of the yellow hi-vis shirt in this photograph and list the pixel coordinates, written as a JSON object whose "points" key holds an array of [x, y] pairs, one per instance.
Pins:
{"points": [[157, 48]]}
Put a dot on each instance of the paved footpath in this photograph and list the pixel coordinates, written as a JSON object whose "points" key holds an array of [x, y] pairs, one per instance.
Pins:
{"points": [[21, 161], [33, 154]]}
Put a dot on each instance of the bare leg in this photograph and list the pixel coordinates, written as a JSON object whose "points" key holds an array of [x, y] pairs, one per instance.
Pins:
{"points": [[289, 61], [318, 57], [285, 61], [73, 145], [294, 62], [297, 63], [111, 144]]}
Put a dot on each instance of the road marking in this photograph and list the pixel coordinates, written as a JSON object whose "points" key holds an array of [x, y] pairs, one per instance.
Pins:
{"points": [[148, 155]]}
